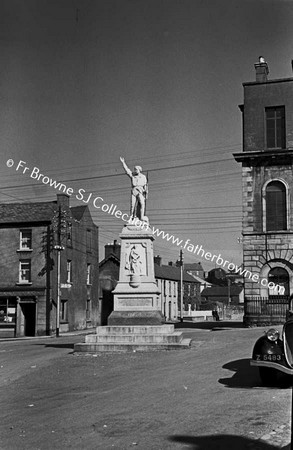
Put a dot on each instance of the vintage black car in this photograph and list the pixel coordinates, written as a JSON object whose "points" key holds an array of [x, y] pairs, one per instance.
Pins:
{"points": [[273, 354]]}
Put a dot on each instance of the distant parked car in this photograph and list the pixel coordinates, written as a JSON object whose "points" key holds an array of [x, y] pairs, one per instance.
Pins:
{"points": [[273, 354]]}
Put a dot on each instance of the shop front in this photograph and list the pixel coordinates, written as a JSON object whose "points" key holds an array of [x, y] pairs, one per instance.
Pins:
{"points": [[22, 313], [8, 307]]}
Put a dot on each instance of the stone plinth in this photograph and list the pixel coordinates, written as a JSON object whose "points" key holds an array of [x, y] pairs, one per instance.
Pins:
{"points": [[133, 338], [136, 296]]}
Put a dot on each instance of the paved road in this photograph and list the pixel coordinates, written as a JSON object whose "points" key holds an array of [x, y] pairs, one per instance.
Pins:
{"points": [[204, 398]]}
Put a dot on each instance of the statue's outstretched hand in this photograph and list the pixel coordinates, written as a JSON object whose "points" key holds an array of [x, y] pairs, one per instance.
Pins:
{"points": [[122, 159]]}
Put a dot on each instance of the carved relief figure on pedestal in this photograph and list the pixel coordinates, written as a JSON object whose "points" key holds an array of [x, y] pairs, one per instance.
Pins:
{"points": [[139, 192], [135, 263]]}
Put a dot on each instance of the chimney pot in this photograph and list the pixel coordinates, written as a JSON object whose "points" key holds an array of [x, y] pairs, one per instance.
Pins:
{"points": [[261, 70], [114, 249], [158, 260]]}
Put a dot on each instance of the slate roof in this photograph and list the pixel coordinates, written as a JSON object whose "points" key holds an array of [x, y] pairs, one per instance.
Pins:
{"points": [[111, 256], [193, 266], [34, 212], [26, 212], [200, 280], [78, 211], [221, 291]]}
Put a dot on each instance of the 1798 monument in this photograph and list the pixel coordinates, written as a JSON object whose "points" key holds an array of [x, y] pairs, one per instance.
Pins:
{"points": [[136, 296], [136, 322]]}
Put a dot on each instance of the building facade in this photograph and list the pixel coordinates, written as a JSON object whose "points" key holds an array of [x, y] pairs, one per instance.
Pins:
{"points": [[29, 233], [267, 182], [167, 278]]}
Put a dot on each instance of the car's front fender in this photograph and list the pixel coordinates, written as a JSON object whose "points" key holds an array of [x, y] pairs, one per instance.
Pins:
{"points": [[264, 348], [270, 354]]}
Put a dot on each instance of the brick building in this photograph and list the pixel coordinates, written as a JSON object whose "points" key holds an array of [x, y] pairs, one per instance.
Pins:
{"points": [[267, 182], [28, 268]]}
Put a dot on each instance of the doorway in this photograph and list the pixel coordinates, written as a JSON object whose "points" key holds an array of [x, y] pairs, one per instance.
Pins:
{"points": [[107, 306], [29, 318]]}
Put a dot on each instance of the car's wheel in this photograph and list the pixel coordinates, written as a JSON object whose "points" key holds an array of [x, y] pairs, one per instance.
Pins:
{"points": [[268, 376]]}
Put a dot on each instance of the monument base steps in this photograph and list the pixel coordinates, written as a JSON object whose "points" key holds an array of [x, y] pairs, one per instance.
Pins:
{"points": [[133, 338]]}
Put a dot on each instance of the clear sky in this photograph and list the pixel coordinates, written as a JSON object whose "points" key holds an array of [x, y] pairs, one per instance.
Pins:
{"points": [[159, 82]]}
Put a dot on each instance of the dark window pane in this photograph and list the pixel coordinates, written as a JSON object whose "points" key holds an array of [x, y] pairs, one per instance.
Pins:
{"points": [[276, 214], [279, 276], [275, 127]]}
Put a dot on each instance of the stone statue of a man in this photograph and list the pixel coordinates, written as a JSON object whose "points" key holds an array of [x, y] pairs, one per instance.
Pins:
{"points": [[139, 191]]}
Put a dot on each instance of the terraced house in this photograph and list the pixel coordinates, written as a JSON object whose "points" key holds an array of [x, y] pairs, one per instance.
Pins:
{"points": [[31, 235], [267, 183]]}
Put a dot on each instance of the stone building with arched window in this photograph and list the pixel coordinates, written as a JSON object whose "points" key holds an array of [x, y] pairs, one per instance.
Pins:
{"points": [[267, 183]]}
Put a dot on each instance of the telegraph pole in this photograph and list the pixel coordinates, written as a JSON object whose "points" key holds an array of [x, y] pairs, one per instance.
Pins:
{"points": [[181, 285], [61, 221]]}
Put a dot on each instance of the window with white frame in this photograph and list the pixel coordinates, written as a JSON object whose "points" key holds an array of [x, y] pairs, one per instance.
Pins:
{"points": [[69, 271], [88, 274], [25, 271], [25, 239]]}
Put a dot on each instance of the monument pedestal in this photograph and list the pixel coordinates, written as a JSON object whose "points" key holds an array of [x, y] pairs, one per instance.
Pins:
{"points": [[136, 323], [136, 296]]}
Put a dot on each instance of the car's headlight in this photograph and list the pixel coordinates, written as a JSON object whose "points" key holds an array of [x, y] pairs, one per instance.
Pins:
{"points": [[273, 335]]}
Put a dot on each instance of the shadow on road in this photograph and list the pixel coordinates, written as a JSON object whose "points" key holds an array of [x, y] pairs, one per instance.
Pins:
{"points": [[246, 376], [64, 345], [213, 325], [223, 442]]}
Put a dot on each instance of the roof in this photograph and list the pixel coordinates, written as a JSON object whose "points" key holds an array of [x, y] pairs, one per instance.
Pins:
{"points": [[200, 280], [193, 266], [78, 211], [173, 273], [34, 212], [110, 257], [217, 272], [27, 212], [221, 291]]}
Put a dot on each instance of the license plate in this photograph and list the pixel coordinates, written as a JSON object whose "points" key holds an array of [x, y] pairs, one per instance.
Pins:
{"points": [[273, 358]]}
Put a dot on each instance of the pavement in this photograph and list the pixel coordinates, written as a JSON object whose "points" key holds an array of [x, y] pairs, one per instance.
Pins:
{"points": [[68, 333]]}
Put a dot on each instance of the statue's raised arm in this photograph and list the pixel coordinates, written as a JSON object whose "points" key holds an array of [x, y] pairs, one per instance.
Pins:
{"points": [[139, 190], [126, 168]]}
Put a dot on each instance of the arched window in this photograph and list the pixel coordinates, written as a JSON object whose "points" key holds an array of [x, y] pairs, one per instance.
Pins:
{"points": [[276, 209], [280, 277]]}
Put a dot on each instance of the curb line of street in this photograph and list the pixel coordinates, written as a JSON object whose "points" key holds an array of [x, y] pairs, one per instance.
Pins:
{"points": [[70, 333]]}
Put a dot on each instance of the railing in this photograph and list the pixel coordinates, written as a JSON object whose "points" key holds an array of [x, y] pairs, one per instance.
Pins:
{"points": [[265, 310]]}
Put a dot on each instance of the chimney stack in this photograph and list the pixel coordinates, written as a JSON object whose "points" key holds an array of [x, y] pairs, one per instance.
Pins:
{"points": [[63, 200], [158, 260], [114, 249], [261, 70]]}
